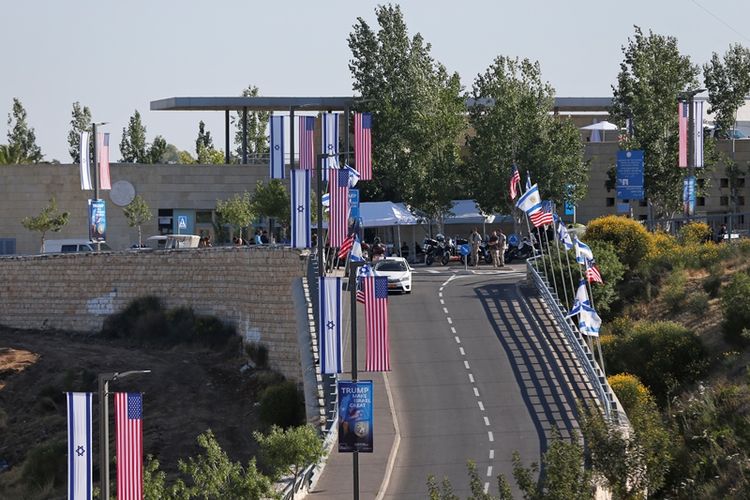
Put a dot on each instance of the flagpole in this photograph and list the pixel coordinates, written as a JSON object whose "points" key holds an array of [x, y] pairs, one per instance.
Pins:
{"points": [[552, 269], [319, 185], [559, 260], [353, 268], [591, 299]]}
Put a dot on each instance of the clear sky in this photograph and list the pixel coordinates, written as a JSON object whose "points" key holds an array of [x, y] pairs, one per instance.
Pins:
{"points": [[115, 57]]}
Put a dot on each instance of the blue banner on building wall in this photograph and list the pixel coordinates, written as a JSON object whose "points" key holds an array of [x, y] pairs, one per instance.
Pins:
{"points": [[355, 416], [630, 175]]}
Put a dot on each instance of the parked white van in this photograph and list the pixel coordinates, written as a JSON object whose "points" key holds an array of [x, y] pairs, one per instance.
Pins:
{"points": [[72, 246]]}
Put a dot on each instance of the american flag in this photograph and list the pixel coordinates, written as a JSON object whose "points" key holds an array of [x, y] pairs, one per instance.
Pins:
{"points": [[104, 180], [363, 145], [543, 216], [592, 272], [364, 272], [515, 182], [377, 355], [682, 122], [338, 187], [346, 246], [129, 423], [306, 150]]}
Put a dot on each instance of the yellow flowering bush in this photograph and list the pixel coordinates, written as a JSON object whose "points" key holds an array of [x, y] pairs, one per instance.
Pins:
{"points": [[694, 233], [630, 391], [630, 239]]}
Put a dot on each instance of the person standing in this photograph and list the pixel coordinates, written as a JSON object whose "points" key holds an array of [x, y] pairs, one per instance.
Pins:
{"points": [[501, 246], [497, 246], [475, 239]]}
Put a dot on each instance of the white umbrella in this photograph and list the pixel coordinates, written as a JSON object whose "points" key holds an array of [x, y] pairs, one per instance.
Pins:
{"points": [[602, 126]]}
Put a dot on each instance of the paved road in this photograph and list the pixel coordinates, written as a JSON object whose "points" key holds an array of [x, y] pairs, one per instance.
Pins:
{"points": [[478, 371], [472, 379]]}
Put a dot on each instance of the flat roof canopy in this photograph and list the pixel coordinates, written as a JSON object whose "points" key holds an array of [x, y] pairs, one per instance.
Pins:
{"points": [[253, 103], [330, 103]]}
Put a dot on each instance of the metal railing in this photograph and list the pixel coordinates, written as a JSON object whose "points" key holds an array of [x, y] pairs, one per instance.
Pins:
{"points": [[596, 376]]}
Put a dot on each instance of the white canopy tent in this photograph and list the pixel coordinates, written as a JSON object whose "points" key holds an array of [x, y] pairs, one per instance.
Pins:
{"points": [[388, 214], [467, 212]]}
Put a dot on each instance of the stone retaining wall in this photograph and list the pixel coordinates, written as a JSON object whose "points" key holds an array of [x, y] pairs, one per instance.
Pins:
{"points": [[244, 286]]}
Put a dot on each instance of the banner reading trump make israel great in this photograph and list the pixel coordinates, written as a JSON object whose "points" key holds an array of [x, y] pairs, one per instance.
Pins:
{"points": [[97, 221], [355, 416]]}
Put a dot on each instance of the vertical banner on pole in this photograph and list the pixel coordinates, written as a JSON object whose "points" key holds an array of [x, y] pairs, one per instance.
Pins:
{"points": [[80, 476], [97, 221], [377, 349], [330, 319], [277, 147], [355, 416], [330, 138], [688, 195], [306, 149], [104, 178], [129, 427], [698, 133], [682, 137], [338, 188], [363, 145], [300, 208], [84, 163]]}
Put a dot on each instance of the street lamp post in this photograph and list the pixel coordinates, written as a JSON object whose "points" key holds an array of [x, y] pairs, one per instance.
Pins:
{"points": [[689, 96], [96, 168], [104, 380]]}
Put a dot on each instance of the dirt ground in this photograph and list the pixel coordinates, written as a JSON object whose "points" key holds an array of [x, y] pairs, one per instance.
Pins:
{"points": [[189, 390]]}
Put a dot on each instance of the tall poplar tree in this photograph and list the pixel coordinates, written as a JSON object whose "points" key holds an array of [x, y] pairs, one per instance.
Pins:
{"points": [[511, 118], [652, 76], [79, 122], [21, 137], [728, 83], [133, 147], [418, 114], [257, 122]]}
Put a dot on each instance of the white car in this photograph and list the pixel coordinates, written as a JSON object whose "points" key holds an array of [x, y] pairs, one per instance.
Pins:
{"points": [[398, 272]]}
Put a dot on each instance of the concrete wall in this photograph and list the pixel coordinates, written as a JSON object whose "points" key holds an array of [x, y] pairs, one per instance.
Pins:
{"points": [[251, 288], [26, 189]]}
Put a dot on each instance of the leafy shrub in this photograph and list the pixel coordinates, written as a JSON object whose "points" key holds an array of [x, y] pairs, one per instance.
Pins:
{"points": [[632, 394], [697, 302], [735, 301], [123, 324], [258, 353], [694, 233], [283, 405], [712, 285], [673, 291], [629, 238], [618, 327], [44, 465], [663, 355]]}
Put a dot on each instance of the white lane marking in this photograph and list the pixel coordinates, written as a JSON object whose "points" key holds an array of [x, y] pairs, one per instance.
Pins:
{"points": [[476, 391], [442, 302], [486, 421], [445, 310], [471, 378], [461, 350], [466, 364], [441, 288], [396, 442], [490, 436], [450, 321], [489, 471], [453, 330], [486, 488], [440, 294], [481, 406], [458, 340], [492, 454]]}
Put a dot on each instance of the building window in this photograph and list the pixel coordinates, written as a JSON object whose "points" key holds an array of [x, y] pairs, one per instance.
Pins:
{"points": [[610, 202], [643, 203], [165, 220], [724, 201], [701, 182], [7, 246], [724, 182], [203, 217], [740, 182], [741, 220], [701, 201], [741, 200]]}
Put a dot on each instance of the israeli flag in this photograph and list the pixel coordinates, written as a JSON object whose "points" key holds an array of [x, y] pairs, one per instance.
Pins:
{"points": [[300, 186], [353, 176], [86, 184], [80, 451], [528, 181], [581, 299], [530, 201], [698, 133], [330, 324], [589, 321], [563, 235], [330, 138], [583, 251], [326, 199], [277, 148], [355, 255]]}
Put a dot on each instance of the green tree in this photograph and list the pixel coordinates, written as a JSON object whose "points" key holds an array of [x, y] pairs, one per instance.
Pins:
{"points": [[10, 155], [257, 140], [157, 150], [80, 121], [652, 75], [272, 200], [185, 158], [728, 82], [49, 219], [133, 147], [735, 303], [214, 475], [138, 212], [21, 138], [236, 212], [290, 451], [205, 152], [513, 125], [417, 114]]}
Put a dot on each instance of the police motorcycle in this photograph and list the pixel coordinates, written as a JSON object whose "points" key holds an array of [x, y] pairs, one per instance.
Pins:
{"points": [[484, 252], [524, 250], [436, 249]]}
